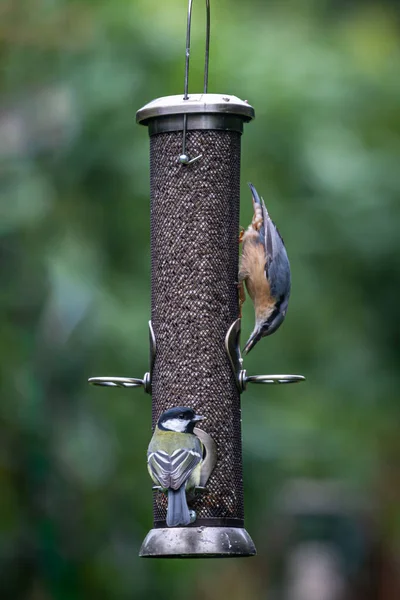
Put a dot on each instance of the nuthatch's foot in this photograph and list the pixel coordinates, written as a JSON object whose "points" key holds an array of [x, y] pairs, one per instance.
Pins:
{"points": [[241, 234], [242, 297], [193, 515], [257, 221]]}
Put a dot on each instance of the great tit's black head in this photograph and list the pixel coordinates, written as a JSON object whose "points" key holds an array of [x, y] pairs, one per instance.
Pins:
{"points": [[179, 419]]}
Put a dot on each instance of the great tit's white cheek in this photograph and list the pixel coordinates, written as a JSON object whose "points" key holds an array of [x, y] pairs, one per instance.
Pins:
{"points": [[178, 425]]}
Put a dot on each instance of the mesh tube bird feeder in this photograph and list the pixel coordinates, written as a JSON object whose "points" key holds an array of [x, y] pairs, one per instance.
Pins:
{"points": [[194, 328]]}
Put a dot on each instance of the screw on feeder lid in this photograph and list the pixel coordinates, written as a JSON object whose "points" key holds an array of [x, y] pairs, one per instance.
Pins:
{"points": [[200, 111], [195, 105]]}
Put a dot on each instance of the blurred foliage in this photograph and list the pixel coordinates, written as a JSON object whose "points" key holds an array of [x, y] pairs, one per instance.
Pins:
{"points": [[324, 151]]}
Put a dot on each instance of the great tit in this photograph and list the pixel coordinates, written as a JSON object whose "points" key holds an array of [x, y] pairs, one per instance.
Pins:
{"points": [[174, 460]]}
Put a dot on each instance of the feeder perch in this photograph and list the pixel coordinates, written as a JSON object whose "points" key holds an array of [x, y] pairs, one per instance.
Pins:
{"points": [[195, 357]]}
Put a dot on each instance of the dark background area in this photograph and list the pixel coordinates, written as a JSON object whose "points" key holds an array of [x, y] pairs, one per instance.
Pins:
{"points": [[321, 459]]}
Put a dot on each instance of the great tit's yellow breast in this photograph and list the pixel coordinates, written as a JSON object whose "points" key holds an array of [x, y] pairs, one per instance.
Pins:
{"points": [[194, 479], [169, 441]]}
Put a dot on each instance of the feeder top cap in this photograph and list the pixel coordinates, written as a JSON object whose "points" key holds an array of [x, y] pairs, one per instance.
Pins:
{"points": [[195, 104]]}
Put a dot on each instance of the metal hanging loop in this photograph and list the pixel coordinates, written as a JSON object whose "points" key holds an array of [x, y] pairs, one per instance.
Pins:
{"points": [[207, 54], [184, 158]]}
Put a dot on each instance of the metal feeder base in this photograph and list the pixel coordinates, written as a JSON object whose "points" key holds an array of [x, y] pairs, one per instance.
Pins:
{"points": [[197, 542]]}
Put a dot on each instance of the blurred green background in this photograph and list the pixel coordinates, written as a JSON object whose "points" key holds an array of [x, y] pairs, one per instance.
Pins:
{"points": [[324, 151]]}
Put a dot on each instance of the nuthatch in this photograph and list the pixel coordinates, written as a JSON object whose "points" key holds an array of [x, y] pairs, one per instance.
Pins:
{"points": [[265, 269]]}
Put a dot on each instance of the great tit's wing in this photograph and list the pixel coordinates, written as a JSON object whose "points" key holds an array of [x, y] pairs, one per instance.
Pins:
{"points": [[172, 471], [159, 466], [183, 462]]}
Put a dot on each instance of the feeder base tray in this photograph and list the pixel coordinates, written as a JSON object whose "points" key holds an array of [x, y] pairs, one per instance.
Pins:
{"points": [[197, 542]]}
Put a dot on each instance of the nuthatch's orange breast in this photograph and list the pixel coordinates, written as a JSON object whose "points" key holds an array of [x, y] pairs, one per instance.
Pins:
{"points": [[252, 271]]}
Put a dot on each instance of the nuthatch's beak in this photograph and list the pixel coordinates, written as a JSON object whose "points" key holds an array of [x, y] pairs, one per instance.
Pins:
{"points": [[252, 341], [198, 418]]}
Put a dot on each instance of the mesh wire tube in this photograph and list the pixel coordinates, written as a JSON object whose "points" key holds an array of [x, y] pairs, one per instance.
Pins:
{"points": [[194, 245]]}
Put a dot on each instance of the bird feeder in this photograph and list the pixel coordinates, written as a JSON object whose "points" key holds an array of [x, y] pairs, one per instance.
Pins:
{"points": [[195, 358]]}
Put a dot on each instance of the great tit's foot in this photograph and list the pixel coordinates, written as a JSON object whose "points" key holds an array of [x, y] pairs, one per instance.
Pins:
{"points": [[241, 234], [158, 488], [199, 489], [193, 515]]}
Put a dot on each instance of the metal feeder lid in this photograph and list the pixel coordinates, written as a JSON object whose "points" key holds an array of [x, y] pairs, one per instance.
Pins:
{"points": [[195, 104]]}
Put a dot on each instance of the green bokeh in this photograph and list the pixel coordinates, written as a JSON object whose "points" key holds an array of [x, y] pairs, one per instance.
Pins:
{"points": [[324, 151]]}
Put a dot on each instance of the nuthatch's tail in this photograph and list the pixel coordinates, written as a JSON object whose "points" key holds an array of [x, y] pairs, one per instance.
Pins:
{"points": [[254, 192], [261, 216], [177, 511]]}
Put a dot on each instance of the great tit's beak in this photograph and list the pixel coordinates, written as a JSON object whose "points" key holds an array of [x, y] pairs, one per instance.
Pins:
{"points": [[198, 418], [252, 341]]}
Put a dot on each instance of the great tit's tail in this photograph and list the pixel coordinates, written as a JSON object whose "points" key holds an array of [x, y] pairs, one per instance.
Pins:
{"points": [[177, 511]]}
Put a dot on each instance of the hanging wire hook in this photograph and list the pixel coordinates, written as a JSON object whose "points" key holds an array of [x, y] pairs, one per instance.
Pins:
{"points": [[207, 55], [184, 158]]}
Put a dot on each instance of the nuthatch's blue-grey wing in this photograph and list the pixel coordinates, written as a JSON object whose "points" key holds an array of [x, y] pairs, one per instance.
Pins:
{"points": [[269, 286], [277, 266]]}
